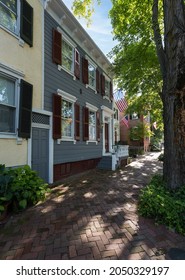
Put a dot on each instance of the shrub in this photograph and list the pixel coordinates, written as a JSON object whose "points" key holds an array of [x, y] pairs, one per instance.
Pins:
{"points": [[27, 187], [161, 157], [22, 186], [165, 206]]}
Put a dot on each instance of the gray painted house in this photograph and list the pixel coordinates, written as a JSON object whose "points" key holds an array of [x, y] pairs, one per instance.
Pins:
{"points": [[77, 96]]}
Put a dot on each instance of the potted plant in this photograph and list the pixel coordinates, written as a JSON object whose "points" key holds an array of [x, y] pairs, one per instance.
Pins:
{"points": [[5, 191]]}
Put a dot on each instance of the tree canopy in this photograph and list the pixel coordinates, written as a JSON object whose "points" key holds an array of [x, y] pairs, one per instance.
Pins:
{"points": [[135, 65]]}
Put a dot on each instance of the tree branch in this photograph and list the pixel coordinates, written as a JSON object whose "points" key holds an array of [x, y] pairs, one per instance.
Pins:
{"points": [[158, 38]]}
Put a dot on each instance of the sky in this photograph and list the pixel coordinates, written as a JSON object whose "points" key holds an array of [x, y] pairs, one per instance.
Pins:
{"points": [[100, 30]]}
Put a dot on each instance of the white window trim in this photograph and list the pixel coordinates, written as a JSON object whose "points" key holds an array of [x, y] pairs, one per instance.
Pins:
{"points": [[70, 98], [95, 67], [15, 34], [15, 75], [74, 46], [93, 109]]}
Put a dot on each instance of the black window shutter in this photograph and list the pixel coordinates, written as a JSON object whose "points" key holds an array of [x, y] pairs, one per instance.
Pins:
{"points": [[77, 121], [57, 120], [85, 75], [98, 125], [85, 124], [57, 47], [97, 81], [25, 109], [102, 84], [26, 26], [77, 64]]}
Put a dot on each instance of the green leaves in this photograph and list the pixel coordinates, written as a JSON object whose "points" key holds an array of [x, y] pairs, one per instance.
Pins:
{"points": [[166, 207]]}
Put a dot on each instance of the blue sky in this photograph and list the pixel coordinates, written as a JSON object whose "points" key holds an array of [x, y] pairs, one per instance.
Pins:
{"points": [[100, 30]]}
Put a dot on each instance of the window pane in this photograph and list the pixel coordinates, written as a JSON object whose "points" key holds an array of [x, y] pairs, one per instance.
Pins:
{"points": [[67, 56], [67, 118], [7, 119], [92, 126], [7, 91], [8, 12], [91, 71]]}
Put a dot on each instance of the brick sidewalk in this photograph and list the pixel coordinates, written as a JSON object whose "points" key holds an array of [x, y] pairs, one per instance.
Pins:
{"points": [[93, 216]]}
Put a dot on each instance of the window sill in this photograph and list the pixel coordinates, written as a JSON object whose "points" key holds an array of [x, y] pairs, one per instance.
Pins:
{"points": [[21, 41], [65, 140], [106, 97], [91, 87], [91, 141], [60, 67], [11, 137]]}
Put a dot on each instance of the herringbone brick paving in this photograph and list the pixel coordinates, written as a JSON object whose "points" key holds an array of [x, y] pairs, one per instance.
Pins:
{"points": [[92, 216]]}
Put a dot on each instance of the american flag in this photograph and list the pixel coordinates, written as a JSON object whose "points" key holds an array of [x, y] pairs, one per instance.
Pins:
{"points": [[125, 120], [120, 101]]}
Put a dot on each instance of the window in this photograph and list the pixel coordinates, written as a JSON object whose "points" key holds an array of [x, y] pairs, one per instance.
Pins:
{"points": [[67, 118], [116, 114], [91, 123], [17, 17], [9, 114], [65, 54], [134, 116], [107, 88], [8, 11], [92, 126], [91, 74], [7, 105]]}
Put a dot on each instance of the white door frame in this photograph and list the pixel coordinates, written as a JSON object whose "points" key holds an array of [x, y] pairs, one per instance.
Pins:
{"points": [[49, 127], [107, 117]]}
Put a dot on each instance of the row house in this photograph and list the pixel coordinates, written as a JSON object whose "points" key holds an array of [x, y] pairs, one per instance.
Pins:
{"points": [[56, 104], [77, 93], [21, 83]]}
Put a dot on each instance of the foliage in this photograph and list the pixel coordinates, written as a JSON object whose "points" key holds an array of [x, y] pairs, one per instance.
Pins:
{"points": [[161, 157], [84, 8], [21, 186], [5, 191], [27, 187], [140, 131], [167, 207]]}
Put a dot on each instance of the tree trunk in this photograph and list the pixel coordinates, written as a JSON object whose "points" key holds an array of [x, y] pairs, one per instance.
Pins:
{"points": [[174, 139], [171, 54]]}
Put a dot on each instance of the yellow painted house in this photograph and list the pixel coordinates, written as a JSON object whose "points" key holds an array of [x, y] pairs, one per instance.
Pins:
{"points": [[21, 78]]}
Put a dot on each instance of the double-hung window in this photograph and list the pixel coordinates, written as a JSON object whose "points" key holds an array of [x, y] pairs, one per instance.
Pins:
{"points": [[66, 117], [92, 75], [8, 11], [92, 125], [16, 16], [67, 56], [7, 104], [107, 88], [15, 106], [65, 53]]}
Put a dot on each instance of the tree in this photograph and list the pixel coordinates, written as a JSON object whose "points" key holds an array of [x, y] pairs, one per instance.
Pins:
{"points": [[159, 23]]}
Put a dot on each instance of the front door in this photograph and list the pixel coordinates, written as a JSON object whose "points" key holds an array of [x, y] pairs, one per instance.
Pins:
{"points": [[106, 137], [40, 152]]}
